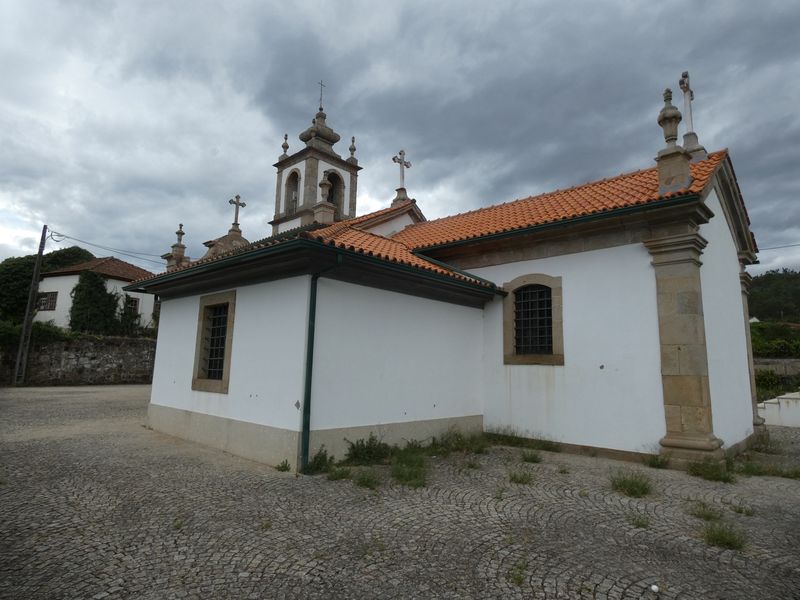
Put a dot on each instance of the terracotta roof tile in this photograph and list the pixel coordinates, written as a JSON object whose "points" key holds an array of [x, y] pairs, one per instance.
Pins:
{"points": [[356, 240], [108, 266], [629, 189]]}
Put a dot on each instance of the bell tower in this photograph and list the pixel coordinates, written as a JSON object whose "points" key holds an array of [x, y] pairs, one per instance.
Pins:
{"points": [[315, 184]]}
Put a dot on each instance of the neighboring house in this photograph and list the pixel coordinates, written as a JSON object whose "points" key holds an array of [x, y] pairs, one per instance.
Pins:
{"points": [[612, 316], [55, 289]]}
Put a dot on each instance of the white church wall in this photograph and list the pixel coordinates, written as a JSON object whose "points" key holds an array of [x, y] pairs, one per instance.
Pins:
{"points": [[382, 358], [726, 341], [287, 225], [608, 392], [392, 226], [265, 383], [63, 285]]}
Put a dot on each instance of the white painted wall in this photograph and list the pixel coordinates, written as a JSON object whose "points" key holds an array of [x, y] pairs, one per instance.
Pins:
{"points": [[392, 226], [726, 341], [345, 176], [64, 284], [382, 357], [608, 392], [267, 356], [287, 225]]}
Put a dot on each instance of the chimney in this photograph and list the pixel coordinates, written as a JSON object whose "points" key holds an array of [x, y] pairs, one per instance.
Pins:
{"points": [[176, 258], [673, 161]]}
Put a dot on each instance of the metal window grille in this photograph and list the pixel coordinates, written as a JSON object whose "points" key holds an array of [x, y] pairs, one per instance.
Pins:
{"points": [[533, 320], [47, 301], [216, 332], [133, 304]]}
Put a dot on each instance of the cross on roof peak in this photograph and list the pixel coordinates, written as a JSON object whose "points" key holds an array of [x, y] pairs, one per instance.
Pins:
{"points": [[400, 159], [237, 202]]}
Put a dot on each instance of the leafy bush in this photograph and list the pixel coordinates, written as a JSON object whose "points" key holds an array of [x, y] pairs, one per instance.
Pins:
{"points": [[94, 309], [371, 451], [319, 463]]}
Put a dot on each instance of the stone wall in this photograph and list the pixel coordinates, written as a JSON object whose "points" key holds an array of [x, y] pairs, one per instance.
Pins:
{"points": [[88, 361], [781, 366]]}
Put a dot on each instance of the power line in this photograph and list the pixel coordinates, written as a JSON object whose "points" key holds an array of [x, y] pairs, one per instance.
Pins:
{"points": [[59, 237], [778, 247]]}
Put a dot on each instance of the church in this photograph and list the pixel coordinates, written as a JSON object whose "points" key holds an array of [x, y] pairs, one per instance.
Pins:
{"points": [[610, 317]]}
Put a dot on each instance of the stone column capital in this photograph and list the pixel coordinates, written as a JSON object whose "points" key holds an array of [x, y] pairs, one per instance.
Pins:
{"points": [[676, 249]]}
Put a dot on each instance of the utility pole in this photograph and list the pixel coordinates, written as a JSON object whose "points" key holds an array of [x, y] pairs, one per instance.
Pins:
{"points": [[27, 324]]}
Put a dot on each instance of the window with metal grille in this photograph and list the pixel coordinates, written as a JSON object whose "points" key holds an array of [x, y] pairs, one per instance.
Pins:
{"points": [[132, 304], [533, 320], [214, 346], [46, 301]]}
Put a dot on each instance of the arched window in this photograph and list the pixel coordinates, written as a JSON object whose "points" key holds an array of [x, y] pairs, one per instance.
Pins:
{"points": [[291, 193], [532, 321], [336, 193]]}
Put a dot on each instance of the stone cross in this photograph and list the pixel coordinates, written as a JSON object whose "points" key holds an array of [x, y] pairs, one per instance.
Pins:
{"points": [[237, 202], [180, 233], [400, 159], [688, 96], [321, 85]]}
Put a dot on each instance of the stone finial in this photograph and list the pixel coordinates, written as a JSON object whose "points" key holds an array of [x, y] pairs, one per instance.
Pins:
{"points": [[668, 119], [324, 189], [176, 258], [674, 173], [352, 158], [690, 141], [285, 145]]}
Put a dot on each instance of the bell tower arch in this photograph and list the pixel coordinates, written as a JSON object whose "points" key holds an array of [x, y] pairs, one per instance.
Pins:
{"points": [[315, 184]]}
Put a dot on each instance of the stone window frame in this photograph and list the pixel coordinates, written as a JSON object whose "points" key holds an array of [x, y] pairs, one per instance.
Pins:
{"points": [[199, 382], [510, 357], [46, 301], [132, 302]]}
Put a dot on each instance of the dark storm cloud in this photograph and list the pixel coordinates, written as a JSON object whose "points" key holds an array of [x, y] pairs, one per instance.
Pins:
{"points": [[149, 115]]}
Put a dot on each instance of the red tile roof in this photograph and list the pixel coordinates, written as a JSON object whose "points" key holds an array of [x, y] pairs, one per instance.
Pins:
{"points": [[108, 266], [626, 190], [363, 242]]}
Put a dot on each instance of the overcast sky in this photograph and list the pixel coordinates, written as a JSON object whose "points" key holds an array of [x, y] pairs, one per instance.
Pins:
{"points": [[118, 120]]}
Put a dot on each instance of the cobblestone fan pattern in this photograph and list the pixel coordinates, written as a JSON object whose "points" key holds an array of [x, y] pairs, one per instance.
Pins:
{"points": [[94, 505]]}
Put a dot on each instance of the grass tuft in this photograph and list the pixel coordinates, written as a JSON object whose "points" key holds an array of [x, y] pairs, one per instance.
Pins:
{"points": [[704, 511], [410, 467], [747, 511], [337, 473], [516, 574], [177, 524], [266, 524], [563, 470], [656, 461], [367, 478], [710, 470], [631, 483], [508, 437], [640, 521], [472, 464], [531, 456], [284, 466], [520, 477], [758, 469], [724, 536], [455, 441]]}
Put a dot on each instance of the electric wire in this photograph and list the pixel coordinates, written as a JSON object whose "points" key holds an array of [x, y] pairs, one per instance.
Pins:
{"points": [[60, 237]]}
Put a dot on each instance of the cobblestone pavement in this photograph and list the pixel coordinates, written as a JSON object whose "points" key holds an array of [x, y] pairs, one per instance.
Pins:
{"points": [[94, 505]]}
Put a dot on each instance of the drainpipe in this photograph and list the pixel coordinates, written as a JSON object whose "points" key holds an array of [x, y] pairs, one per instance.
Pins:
{"points": [[312, 319]]}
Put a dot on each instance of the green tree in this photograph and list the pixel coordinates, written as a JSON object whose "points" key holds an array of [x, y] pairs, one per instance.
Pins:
{"points": [[128, 324], [94, 309], [775, 296], [16, 273]]}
